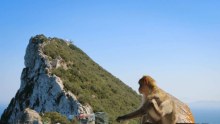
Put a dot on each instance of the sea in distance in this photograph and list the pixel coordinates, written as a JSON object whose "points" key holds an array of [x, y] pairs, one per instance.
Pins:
{"points": [[206, 116]]}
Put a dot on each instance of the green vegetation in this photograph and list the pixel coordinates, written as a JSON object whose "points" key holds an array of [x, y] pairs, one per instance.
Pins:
{"points": [[90, 82], [54, 117]]}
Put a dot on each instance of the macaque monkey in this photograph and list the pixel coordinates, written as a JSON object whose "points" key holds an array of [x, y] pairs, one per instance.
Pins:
{"points": [[156, 107]]}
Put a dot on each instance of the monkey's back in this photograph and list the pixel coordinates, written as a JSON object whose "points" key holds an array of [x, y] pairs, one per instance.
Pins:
{"points": [[183, 112]]}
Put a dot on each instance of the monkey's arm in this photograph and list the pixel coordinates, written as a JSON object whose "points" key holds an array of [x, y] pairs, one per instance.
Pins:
{"points": [[166, 107], [131, 115], [140, 112]]}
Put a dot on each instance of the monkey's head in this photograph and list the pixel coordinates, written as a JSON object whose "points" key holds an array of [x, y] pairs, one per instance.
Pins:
{"points": [[147, 84]]}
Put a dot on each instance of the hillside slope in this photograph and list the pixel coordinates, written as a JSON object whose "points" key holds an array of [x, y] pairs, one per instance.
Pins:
{"points": [[90, 82]]}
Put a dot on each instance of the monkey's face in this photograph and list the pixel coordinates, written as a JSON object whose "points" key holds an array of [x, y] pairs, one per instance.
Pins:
{"points": [[143, 88], [146, 83]]}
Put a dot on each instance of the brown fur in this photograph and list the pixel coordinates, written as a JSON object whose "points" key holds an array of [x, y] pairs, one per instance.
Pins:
{"points": [[156, 106]]}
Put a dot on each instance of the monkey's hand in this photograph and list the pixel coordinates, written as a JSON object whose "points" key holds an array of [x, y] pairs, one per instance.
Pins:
{"points": [[120, 119]]}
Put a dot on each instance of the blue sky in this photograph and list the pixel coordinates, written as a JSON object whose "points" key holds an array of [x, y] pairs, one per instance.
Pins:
{"points": [[176, 42]]}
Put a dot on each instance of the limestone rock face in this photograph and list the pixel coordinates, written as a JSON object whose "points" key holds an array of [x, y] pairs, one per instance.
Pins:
{"points": [[29, 116], [40, 90]]}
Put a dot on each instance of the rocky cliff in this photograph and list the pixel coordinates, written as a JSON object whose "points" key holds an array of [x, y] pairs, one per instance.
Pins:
{"points": [[40, 90], [59, 77]]}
